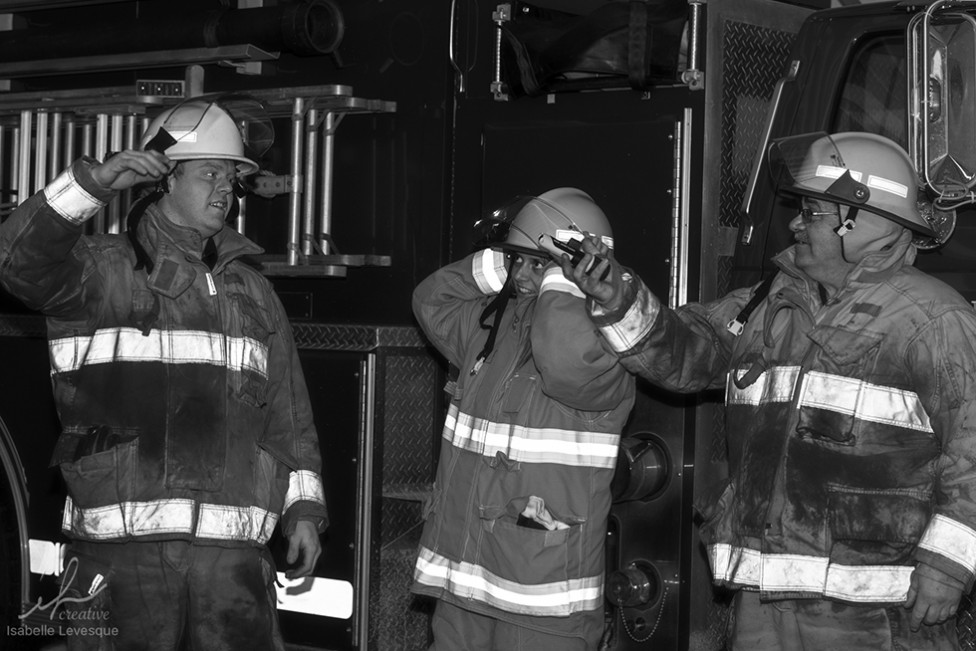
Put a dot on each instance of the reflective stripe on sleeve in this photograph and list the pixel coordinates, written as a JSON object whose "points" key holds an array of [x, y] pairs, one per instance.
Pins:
{"points": [[470, 581], [489, 271], [531, 444], [635, 324], [951, 539], [169, 516], [555, 281], [304, 485], [167, 346], [813, 574], [66, 196]]}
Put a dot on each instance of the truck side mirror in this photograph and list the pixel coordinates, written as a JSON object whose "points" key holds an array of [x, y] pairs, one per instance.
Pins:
{"points": [[942, 95]]}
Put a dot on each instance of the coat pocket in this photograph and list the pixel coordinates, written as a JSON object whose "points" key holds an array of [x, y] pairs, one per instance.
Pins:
{"points": [[103, 478], [831, 396], [532, 570], [251, 357], [876, 526]]}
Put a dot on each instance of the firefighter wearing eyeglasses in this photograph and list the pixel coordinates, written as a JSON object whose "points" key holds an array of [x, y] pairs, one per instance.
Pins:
{"points": [[848, 520]]}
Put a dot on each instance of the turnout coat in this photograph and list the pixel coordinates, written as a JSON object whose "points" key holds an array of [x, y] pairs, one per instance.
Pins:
{"points": [[851, 425], [537, 425], [183, 406]]}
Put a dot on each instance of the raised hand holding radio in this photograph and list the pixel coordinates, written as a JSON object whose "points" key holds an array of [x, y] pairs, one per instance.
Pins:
{"points": [[596, 273], [574, 248]]}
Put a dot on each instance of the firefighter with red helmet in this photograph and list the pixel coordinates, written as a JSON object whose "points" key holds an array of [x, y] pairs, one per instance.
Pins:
{"points": [[848, 520], [187, 433], [512, 547]]}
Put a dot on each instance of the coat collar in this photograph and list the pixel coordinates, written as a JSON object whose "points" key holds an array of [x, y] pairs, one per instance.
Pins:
{"points": [[874, 268], [176, 251]]}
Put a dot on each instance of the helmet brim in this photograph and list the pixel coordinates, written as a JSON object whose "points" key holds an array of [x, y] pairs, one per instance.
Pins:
{"points": [[245, 166]]}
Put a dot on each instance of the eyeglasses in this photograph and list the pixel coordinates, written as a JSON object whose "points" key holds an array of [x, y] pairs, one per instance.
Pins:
{"points": [[811, 215]]}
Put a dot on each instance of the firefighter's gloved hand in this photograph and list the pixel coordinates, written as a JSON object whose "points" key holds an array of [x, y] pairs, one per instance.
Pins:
{"points": [[131, 167], [933, 596], [303, 543], [607, 290]]}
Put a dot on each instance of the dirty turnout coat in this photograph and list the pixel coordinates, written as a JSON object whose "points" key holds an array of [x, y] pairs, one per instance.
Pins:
{"points": [[183, 406], [851, 426]]}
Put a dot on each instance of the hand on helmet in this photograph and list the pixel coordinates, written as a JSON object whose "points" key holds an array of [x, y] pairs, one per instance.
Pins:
{"points": [[606, 289], [131, 167]]}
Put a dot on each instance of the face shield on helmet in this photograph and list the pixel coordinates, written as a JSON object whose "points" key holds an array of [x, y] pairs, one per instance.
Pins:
{"points": [[863, 171], [547, 225], [227, 127]]}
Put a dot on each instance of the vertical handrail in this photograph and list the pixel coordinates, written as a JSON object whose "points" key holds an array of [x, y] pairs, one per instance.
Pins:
{"points": [[364, 498], [24, 153], [5, 199], [40, 151], [750, 191], [680, 212], [501, 15], [57, 132], [70, 139], [295, 199], [451, 54], [117, 137], [311, 152], [15, 164], [329, 125]]}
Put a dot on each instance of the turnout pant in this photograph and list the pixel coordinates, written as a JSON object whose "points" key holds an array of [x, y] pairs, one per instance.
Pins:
{"points": [[821, 625], [457, 629], [163, 596]]}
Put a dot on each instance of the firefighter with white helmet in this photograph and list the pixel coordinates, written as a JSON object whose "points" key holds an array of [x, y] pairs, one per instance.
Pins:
{"points": [[187, 427], [848, 520], [530, 441]]}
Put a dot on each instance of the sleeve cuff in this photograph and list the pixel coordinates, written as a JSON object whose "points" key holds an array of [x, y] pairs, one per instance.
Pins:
{"points": [[74, 195], [949, 546], [310, 511], [625, 326], [489, 270]]}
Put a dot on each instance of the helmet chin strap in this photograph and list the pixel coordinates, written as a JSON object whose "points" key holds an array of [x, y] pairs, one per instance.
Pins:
{"points": [[494, 311], [847, 224]]}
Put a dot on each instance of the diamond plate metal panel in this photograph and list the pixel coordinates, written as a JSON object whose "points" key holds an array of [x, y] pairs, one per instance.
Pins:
{"points": [[753, 62], [355, 338], [407, 421]]}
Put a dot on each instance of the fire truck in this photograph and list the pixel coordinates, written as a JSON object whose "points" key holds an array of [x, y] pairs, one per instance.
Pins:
{"points": [[398, 125]]}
